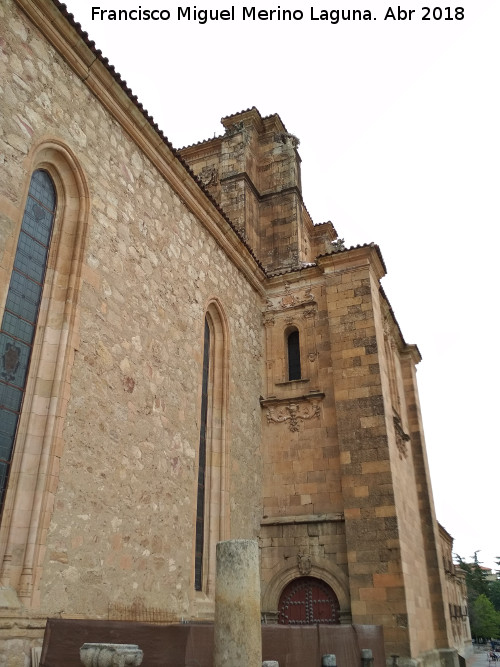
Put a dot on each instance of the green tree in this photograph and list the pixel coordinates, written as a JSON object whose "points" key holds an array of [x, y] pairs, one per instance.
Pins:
{"points": [[494, 593], [475, 578], [484, 620], [494, 587]]}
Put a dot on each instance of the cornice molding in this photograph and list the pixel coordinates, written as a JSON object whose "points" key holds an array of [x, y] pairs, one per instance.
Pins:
{"points": [[275, 401], [301, 518], [351, 259]]}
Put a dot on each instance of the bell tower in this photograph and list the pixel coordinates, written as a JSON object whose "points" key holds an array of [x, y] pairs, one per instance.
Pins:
{"points": [[253, 172]]}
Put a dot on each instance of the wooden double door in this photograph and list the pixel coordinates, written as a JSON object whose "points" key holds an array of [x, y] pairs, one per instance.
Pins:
{"points": [[307, 601]]}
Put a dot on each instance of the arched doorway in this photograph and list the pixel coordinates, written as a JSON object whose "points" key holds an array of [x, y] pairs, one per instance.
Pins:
{"points": [[307, 601]]}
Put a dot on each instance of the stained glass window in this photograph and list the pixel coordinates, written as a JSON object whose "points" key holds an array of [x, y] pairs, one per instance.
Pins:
{"points": [[18, 326]]}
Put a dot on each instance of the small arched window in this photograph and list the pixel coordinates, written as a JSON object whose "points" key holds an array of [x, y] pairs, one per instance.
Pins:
{"points": [[293, 347], [19, 321]]}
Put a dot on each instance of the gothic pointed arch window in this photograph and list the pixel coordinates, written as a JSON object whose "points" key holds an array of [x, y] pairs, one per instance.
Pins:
{"points": [[293, 354], [211, 514], [19, 321]]}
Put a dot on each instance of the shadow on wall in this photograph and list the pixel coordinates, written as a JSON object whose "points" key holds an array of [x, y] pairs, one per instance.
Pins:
{"points": [[191, 645]]}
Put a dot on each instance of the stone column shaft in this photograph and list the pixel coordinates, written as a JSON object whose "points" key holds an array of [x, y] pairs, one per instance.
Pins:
{"points": [[237, 632]]}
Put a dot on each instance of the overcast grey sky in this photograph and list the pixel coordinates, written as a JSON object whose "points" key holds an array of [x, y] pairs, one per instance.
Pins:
{"points": [[400, 142]]}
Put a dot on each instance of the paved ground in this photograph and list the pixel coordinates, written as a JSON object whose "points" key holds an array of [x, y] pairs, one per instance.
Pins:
{"points": [[480, 658]]}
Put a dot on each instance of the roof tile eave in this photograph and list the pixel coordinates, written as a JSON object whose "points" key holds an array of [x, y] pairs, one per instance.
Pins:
{"points": [[123, 84]]}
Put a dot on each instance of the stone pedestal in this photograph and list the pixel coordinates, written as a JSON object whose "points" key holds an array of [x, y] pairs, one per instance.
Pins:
{"points": [[111, 655], [237, 632]]}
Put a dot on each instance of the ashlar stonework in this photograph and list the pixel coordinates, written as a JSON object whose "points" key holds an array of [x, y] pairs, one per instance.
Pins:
{"points": [[206, 364]]}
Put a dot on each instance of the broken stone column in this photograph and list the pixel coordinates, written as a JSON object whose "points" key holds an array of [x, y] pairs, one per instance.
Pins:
{"points": [[329, 660], [237, 631], [110, 655], [366, 657]]}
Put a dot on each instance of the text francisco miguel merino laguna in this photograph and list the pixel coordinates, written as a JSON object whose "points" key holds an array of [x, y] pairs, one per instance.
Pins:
{"points": [[254, 14]]}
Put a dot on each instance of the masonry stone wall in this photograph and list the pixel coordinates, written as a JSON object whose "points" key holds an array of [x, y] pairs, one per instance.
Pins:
{"points": [[327, 469], [455, 597], [124, 509]]}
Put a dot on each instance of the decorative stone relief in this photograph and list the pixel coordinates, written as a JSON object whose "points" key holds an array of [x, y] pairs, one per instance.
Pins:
{"points": [[338, 245], [240, 228], [111, 655], [304, 564], [312, 356], [292, 413], [387, 328], [234, 129], [208, 175], [401, 438], [286, 137], [308, 313], [268, 320], [289, 300]]}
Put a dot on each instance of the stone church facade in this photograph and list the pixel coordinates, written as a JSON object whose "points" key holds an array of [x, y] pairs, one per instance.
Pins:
{"points": [[186, 358]]}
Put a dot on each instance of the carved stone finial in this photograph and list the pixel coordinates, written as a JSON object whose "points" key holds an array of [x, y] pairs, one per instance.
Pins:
{"points": [[287, 138], [401, 438], [234, 129], [338, 245]]}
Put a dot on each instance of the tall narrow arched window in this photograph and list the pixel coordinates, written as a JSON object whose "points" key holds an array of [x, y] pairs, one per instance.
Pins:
{"points": [[293, 349], [20, 317], [38, 331], [211, 498], [202, 464]]}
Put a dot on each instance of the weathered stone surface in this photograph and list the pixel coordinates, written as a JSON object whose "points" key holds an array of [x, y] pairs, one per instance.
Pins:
{"points": [[328, 470], [111, 655], [329, 660], [237, 631]]}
